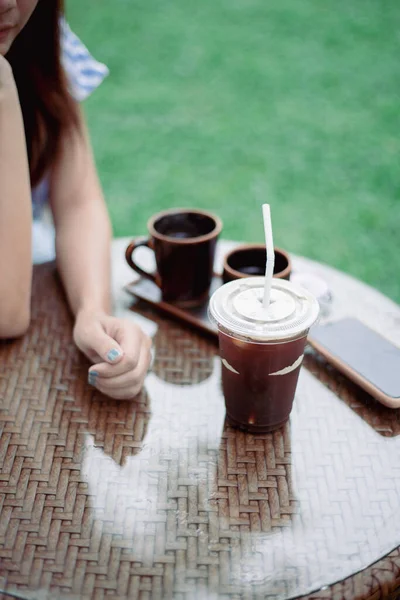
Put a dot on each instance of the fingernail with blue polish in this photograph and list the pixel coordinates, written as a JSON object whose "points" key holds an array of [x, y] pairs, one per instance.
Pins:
{"points": [[92, 377], [113, 354]]}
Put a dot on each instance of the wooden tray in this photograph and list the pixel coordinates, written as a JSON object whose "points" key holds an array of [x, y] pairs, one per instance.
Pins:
{"points": [[149, 292]]}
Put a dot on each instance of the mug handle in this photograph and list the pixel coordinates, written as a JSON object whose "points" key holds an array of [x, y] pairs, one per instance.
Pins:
{"points": [[134, 245]]}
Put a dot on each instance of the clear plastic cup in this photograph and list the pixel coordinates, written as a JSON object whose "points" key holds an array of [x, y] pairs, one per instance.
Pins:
{"points": [[261, 350]]}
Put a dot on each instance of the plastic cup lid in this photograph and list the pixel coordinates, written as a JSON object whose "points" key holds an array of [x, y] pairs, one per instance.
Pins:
{"points": [[237, 307]]}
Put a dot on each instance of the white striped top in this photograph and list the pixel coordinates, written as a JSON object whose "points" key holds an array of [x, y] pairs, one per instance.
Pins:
{"points": [[85, 73]]}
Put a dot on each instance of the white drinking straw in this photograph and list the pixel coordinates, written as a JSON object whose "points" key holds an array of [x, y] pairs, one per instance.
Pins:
{"points": [[269, 244]]}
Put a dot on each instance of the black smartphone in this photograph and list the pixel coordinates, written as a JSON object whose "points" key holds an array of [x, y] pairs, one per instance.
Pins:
{"points": [[363, 355]]}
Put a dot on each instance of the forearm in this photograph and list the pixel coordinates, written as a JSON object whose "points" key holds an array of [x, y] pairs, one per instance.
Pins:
{"points": [[15, 218], [83, 256], [118, 347]]}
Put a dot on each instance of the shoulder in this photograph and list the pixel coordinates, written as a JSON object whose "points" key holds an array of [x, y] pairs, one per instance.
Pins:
{"points": [[84, 72]]}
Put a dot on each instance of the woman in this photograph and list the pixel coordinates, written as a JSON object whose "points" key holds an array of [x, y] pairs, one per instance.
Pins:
{"points": [[44, 142]]}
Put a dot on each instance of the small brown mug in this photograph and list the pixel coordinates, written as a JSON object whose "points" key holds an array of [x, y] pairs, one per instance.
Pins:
{"points": [[184, 242], [250, 259]]}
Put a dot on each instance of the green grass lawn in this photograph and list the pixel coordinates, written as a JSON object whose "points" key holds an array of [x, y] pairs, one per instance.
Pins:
{"points": [[226, 104]]}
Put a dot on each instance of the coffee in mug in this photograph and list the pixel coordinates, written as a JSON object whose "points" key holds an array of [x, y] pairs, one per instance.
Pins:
{"points": [[249, 260], [184, 243]]}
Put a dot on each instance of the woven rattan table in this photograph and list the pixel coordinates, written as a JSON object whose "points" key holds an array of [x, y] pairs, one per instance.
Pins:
{"points": [[158, 498]]}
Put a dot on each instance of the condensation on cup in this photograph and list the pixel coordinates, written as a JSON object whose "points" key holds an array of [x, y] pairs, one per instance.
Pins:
{"points": [[261, 350]]}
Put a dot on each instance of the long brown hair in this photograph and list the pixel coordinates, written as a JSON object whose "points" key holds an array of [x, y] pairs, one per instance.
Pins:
{"points": [[47, 106]]}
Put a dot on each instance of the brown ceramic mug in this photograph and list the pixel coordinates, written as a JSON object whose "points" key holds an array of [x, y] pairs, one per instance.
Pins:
{"points": [[249, 260], [184, 242]]}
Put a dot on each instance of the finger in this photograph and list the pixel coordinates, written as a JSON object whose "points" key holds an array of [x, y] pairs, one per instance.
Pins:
{"points": [[129, 361], [128, 393], [96, 341], [132, 378]]}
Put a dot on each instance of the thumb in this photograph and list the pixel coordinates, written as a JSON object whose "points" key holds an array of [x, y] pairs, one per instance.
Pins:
{"points": [[105, 346]]}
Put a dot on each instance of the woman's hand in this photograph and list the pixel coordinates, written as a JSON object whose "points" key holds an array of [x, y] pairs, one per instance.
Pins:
{"points": [[7, 81], [119, 349]]}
